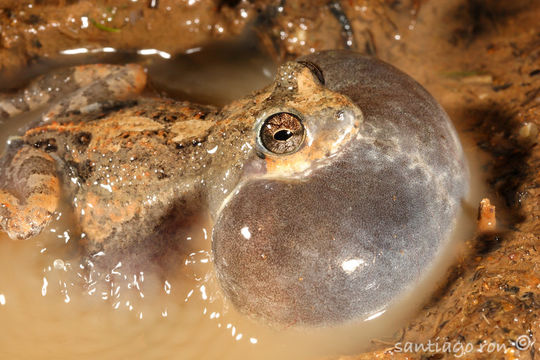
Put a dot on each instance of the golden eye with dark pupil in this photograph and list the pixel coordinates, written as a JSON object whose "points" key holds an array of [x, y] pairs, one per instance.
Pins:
{"points": [[282, 133]]}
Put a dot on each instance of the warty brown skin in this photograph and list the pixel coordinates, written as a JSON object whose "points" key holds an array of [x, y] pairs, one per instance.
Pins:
{"points": [[137, 170]]}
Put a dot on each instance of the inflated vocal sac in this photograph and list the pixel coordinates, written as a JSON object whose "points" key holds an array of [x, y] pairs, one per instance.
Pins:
{"points": [[346, 237]]}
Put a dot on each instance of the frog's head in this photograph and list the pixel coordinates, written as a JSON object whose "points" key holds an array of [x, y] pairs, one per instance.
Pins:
{"points": [[301, 124], [332, 228], [296, 124]]}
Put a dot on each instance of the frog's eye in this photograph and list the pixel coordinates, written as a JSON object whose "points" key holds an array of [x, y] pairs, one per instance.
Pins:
{"points": [[282, 133]]}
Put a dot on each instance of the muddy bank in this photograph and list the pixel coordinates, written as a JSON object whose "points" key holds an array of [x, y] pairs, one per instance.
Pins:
{"points": [[479, 58], [33, 29]]}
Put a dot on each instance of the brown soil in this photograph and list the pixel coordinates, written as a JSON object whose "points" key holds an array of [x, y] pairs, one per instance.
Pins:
{"points": [[480, 59]]}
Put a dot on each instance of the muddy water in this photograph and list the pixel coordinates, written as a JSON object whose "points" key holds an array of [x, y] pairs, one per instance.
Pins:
{"points": [[55, 310], [53, 306]]}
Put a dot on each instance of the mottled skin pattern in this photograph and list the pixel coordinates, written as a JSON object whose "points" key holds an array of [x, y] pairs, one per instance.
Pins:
{"points": [[138, 170]]}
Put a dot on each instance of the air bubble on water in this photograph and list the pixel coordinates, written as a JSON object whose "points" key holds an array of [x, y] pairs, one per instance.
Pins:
{"points": [[188, 295], [202, 289], [44, 287], [59, 264], [114, 270], [167, 287]]}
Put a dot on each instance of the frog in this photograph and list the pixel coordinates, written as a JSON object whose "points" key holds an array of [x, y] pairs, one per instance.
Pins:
{"points": [[138, 170], [332, 191]]}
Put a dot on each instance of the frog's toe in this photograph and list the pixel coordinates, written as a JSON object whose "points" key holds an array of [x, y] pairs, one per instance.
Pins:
{"points": [[32, 175], [25, 223]]}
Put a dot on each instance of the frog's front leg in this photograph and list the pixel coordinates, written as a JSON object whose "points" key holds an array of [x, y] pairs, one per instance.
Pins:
{"points": [[29, 192], [80, 89]]}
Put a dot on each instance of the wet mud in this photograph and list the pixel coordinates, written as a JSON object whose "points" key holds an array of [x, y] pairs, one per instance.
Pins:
{"points": [[479, 58]]}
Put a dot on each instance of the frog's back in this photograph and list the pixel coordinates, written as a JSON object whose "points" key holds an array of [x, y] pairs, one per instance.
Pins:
{"points": [[127, 169]]}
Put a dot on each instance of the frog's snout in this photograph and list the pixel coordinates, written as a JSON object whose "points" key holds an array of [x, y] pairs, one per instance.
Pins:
{"points": [[344, 239]]}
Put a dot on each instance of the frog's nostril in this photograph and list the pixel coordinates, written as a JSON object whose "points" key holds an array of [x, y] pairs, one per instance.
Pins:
{"points": [[315, 70]]}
